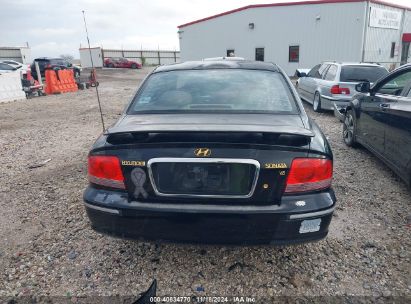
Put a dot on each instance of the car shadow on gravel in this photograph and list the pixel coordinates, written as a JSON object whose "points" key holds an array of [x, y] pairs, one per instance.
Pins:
{"points": [[260, 270]]}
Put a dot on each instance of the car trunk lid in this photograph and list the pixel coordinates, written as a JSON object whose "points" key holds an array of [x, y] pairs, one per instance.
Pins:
{"points": [[267, 123], [233, 159]]}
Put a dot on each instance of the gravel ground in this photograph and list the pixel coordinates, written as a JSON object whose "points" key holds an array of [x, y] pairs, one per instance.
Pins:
{"points": [[47, 247]]}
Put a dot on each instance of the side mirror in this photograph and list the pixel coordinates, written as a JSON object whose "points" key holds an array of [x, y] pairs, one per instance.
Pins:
{"points": [[363, 87], [299, 73]]}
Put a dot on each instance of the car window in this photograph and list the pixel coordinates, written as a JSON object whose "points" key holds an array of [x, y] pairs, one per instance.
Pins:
{"points": [[6, 67], [331, 73], [313, 71], [57, 62], [41, 63], [322, 70], [395, 85], [361, 73], [216, 91]]}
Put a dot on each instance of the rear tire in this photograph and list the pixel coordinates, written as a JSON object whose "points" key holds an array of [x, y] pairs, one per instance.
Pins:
{"points": [[349, 129], [110, 65], [134, 66], [317, 103]]}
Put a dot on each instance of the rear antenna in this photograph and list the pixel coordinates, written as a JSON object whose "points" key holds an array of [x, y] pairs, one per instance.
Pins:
{"points": [[92, 66]]}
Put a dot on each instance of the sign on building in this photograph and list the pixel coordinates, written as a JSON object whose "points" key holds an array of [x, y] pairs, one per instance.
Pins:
{"points": [[384, 18]]}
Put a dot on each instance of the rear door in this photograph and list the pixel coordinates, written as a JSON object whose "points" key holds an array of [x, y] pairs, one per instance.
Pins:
{"points": [[316, 81], [304, 82], [122, 63], [329, 79], [398, 126], [116, 62]]}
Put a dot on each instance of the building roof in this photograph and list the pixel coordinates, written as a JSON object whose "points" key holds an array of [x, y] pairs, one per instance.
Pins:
{"points": [[13, 47], [218, 64], [291, 4], [86, 48]]}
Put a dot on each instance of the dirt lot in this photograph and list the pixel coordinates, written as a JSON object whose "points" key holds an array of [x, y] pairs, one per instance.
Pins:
{"points": [[47, 247]]}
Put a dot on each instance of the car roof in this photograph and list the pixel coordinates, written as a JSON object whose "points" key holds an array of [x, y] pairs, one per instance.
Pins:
{"points": [[353, 63], [47, 58], [223, 58], [218, 64], [405, 66], [9, 61]]}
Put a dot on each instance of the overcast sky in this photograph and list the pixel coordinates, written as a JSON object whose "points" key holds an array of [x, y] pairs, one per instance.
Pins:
{"points": [[54, 27]]}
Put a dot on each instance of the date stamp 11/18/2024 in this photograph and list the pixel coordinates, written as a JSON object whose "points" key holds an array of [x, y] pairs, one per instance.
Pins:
{"points": [[202, 299]]}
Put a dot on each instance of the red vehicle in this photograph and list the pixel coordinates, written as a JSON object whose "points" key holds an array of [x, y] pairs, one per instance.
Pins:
{"points": [[119, 62]]}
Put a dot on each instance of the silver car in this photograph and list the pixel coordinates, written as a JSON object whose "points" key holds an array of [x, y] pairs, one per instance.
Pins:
{"points": [[330, 85]]}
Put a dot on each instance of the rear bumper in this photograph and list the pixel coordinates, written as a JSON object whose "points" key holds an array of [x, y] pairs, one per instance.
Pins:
{"points": [[327, 103], [113, 214]]}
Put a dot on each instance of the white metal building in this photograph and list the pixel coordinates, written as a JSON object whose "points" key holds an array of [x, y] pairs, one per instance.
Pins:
{"points": [[20, 54], [303, 34]]}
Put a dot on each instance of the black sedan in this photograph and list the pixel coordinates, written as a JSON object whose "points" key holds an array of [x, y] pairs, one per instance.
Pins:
{"points": [[379, 118], [53, 63], [213, 152]]}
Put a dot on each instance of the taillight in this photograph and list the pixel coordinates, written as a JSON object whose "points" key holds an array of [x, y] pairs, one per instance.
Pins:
{"points": [[309, 174], [335, 89], [106, 171]]}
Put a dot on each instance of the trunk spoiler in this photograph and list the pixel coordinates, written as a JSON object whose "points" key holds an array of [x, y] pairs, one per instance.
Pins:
{"points": [[181, 127]]}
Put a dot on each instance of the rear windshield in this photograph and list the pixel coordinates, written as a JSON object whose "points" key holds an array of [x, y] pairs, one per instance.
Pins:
{"points": [[220, 90], [42, 62], [57, 62], [358, 73]]}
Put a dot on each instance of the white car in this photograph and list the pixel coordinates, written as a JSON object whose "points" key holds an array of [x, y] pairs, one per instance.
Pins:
{"points": [[17, 65], [6, 68], [331, 85]]}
